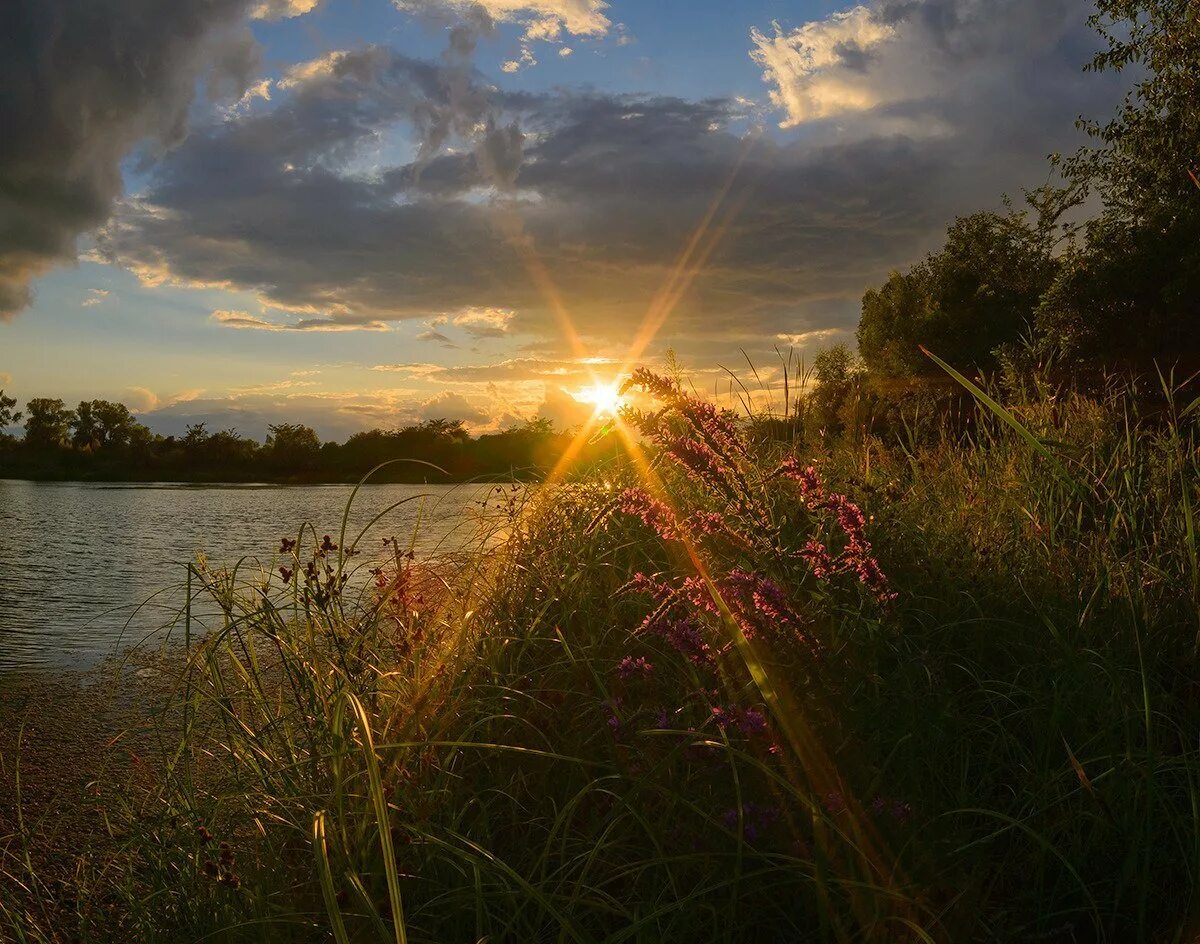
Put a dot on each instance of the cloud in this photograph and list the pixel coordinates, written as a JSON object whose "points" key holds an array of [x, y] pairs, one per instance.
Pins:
{"points": [[814, 339], [94, 297], [5, 379], [283, 9], [437, 337], [140, 399], [452, 406], [242, 319], [334, 414], [542, 19], [484, 322], [816, 69], [82, 82], [581, 202], [563, 410], [910, 61]]}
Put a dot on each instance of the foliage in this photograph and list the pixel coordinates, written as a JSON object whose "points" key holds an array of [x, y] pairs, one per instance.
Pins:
{"points": [[9, 415], [103, 440], [48, 423], [978, 292], [1114, 290]]}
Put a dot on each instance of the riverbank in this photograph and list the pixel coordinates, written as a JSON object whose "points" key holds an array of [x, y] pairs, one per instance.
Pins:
{"points": [[935, 692]]}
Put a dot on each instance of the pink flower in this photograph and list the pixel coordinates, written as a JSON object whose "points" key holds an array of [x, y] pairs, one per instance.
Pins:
{"points": [[654, 514], [630, 667]]}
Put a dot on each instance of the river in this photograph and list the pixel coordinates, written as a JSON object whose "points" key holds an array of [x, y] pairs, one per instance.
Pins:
{"points": [[87, 570]]}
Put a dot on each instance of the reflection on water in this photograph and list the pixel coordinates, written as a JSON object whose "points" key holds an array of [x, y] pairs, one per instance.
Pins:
{"points": [[86, 569]]}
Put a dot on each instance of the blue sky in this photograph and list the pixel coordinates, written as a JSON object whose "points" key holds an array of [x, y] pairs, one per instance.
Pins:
{"points": [[359, 212]]}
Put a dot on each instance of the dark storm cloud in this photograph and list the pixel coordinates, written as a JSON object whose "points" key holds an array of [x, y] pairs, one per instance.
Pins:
{"points": [[81, 83], [306, 202]]}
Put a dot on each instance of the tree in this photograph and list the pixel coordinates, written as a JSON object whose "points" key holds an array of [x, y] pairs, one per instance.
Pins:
{"points": [[48, 424], [8, 415], [292, 448], [102, 424], [1127, 294], [84, 426], [835, 376], [1147, 157], [979, 291]]}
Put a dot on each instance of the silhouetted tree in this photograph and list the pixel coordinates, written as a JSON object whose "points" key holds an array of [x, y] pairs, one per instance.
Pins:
{"points": [[9, 415], [979, 291], [1128, 292], [292, 448], [48, 423]]}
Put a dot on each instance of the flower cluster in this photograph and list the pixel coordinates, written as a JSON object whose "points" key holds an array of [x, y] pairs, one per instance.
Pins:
{"points": [[855, 556], [654, 514], [749, 722], [752, 554], [630, 668]]}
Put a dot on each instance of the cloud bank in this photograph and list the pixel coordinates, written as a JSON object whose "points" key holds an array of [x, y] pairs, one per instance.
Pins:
{"points": [[81, 83], [575, 202]]}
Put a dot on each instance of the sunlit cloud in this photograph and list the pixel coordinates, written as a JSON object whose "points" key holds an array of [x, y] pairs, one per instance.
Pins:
{"points": [[244, 320], [817, 70], [283, 9], [94, 297], [311, 70], [542, 19]]}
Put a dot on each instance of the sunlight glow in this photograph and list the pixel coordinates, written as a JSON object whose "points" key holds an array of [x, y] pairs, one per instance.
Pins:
{"points": [[605, 397]]}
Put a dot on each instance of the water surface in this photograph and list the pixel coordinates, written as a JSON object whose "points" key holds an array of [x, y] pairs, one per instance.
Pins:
{"points": [[88, 569]]}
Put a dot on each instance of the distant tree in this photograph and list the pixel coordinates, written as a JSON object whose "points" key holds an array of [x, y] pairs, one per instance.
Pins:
{"points": [[195, 437], [103, 424], [48, 423], [84, 426], [9, 416], [979, 291], [835, 374], [292, 448]]}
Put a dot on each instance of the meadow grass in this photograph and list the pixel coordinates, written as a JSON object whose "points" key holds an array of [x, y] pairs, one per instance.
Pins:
{"points": [[936, 691]]}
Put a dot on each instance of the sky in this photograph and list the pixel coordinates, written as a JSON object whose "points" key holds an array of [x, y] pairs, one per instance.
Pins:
{"points": [[366, 213]]}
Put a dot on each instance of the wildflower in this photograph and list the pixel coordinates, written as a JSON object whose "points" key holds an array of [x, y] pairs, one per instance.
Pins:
{"points": [[327, 545], [898, 810], [654, 514], [705, 522], [819, 561], [748, 721], [699, 459], [682, 634], [630, 667], [286, 545], [811, 488], [641, 583], [656, 385], [285, 573]]}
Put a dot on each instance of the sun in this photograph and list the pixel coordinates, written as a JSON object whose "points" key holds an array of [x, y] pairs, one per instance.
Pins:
{"points": [[605, 397]]}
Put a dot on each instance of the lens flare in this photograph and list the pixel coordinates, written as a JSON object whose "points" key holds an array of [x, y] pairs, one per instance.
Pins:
{"points": [[605, 397]]}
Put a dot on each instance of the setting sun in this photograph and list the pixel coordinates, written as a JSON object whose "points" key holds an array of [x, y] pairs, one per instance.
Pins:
{"points": [[605, 397]]}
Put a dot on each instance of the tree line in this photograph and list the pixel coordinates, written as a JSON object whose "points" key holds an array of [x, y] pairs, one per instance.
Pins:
{"points": [[103, 441], [1046, 286]]}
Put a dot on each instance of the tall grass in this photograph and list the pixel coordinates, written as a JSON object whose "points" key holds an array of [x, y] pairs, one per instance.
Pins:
{"points": [[681, 700]]}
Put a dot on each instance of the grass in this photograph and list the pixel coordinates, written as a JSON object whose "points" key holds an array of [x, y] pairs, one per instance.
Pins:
{"points": [[753, 741]]}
